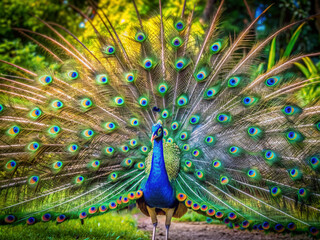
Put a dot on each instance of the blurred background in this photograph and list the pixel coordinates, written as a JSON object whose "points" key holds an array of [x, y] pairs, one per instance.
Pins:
{"points": [[20, 13]]}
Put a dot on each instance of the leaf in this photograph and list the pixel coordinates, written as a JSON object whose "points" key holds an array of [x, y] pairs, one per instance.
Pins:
{"points": [[292, 41], [272, 54], [303, 69], [260, 68], [311, 67]]}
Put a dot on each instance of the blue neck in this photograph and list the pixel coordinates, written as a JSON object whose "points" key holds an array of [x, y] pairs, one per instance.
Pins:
{"points": [[158, 191], [158, 166]]}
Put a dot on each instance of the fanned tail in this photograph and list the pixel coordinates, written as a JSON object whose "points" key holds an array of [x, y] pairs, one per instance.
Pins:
{"points": [[76, 140]]}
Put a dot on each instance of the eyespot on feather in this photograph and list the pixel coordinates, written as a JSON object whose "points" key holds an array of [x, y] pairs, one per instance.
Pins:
{"points": [[163, 88], [272, 81], [234, 82], [45, 80], [72, 75], [102, 79], [140, 37], [46, 217], [216, 47], [13, 131], [182, 100], [57, 104], [11, 165], [224, 118], [109, 50], [119, 101], [130, 77], [179, 25], [33, 146], [79, 180], [176, 42], [143, 101], [35, 113]]}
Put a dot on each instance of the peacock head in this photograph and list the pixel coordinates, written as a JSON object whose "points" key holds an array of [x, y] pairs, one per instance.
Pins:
{"points": [[157, 131]]}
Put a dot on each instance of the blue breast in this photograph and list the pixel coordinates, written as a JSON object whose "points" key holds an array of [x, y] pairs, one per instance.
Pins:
{"points": [[158, 191]]}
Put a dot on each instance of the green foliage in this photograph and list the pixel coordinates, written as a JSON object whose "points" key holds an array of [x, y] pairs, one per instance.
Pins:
{"points": [[192, 216], [292, 41], [19, 13], [16, 52], [311, 92], [107, 226], [272, 54], [124, 18]]}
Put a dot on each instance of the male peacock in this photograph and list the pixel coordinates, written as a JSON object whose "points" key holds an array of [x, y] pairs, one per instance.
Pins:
{"points": [[76, 143]]}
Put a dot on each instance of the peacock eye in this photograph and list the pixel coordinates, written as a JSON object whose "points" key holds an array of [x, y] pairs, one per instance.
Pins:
{"points": [[165, 114], [130, 77], [290, 110], [194, 119], [73, 75], [179, 25], [159, 131], [86, 103], [143, 101], [249, 101], [72, 148], [33, 180], [180, 64], [10, 165], [57, 104], [162, 88], [13, 131], [176, 42], [119, 101], [148, 63], [272, 81], [33, 146], [140, 37], [45, 80], [183, 136], [223, 118], [182, 100], [102, 79], [35, 113], [234, 82], [215, 47], [174, 126], [134, 122], [109, 50], [87, 134], [201, 75], [54, 130]]}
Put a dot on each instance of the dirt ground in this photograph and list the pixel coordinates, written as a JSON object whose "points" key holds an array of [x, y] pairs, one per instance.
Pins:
{"points": [[204, 231]]}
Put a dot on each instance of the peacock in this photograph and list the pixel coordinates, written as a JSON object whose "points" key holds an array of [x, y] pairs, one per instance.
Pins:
{"points": [[165, 116]]}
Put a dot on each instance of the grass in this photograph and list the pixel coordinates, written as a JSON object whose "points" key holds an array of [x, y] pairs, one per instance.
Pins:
{"points": [[107, 226], [192, 216]]}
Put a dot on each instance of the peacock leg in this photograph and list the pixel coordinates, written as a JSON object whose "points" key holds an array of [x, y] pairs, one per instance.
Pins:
{"points": [[153, 215], [169, 214], [154, 231]]}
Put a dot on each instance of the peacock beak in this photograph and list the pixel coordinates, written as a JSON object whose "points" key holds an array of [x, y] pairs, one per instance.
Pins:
{"points": [[153, 137]]}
